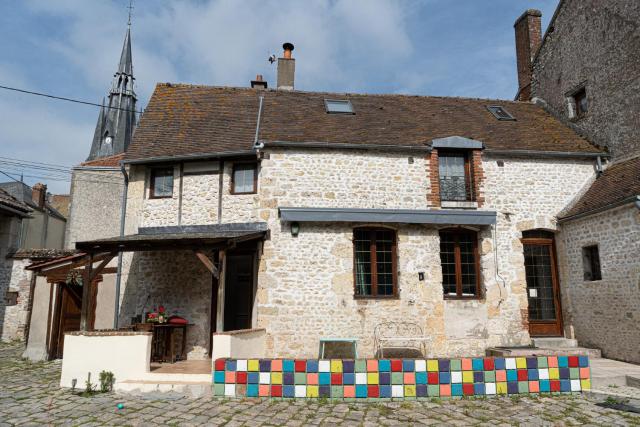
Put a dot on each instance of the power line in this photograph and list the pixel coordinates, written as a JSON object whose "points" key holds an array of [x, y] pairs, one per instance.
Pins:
{"points": [[46, 95], [35, 163]]}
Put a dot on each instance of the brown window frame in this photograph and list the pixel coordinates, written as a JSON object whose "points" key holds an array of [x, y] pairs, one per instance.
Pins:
{"points": [[152, 186], [255, 178], [374, 268], [468, 176], [458, 264]]}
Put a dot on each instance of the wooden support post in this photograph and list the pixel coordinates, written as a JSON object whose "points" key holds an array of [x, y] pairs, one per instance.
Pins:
{"points": [[222, 263], [208, 263], [85, 317]]}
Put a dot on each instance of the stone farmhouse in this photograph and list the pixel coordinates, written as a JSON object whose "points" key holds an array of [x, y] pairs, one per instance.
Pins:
{"points": [[274, 219]]}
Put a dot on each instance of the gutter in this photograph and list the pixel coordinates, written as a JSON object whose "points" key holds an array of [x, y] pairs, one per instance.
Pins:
{"points": [[551, 154], [15, 211], [123, 212], [205, 156], [632, 199], [95, 168], [346, 146]]}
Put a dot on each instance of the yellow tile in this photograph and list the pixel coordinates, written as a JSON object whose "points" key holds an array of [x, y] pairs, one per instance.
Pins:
{"points": [[336, 366], [276, 377], [372, 378], [409, 391], [521, 362], [253, 365], [501, 388], [432, 365], [467, 376], [585, 384], [312, 391], [554, 373]]}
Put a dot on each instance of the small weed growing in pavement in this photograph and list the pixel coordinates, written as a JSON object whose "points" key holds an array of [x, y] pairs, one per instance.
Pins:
{"points": [[610, 400], [323, 401], [406, 405], [436, 401], [383, 409], [106, 381], [515, 398]]}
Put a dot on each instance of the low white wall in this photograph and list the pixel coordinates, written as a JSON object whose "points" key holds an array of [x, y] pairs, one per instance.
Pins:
{"points": [[243, 344], [126, 354]]}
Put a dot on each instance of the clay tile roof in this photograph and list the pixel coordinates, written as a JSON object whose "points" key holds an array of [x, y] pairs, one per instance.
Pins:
{"points": [[105, 161], [185, 120], [13, 205], [619, 182]]}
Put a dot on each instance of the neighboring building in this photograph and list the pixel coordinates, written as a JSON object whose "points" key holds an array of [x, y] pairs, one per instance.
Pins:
{"points": [[585, 69]]}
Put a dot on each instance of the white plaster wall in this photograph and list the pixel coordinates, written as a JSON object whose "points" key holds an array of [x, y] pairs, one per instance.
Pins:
{"points": [[37, 346]]}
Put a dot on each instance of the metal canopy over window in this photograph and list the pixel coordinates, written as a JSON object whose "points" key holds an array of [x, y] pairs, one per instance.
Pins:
{"points": [[499, 112], [339, 106]]}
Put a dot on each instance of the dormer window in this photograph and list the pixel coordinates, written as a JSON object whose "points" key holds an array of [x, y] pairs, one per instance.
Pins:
{"points": [[338, 106], [161, 183]]}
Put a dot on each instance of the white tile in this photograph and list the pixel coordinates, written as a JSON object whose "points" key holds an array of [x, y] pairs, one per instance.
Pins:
{"points": [[510, 363], [421, 365], [361, 378], [241, 365], [543, 374], [324, 366], [230, 390], [397, 391], [265, 378], [575, 385], [490, 388], [456, 377], [301, 391]]}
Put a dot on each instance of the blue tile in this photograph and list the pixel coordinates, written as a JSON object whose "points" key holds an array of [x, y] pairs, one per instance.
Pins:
{"points": [[421, 390], [385, 391], [443, 365], [478, 389], [324, 391], [361, 390], [230, 365], [565, 373], [324, 378], [532, 362], [512, 387], [253, 377], [252, 390], [563, 362], [512, 375], [532, 374], [421, 377], [445, 377], [348, 378], [408, 365], [499, 363], [288, 391], [288, 366], [456, 389], [477, 364], [545, 386], [478, 377], [385, 378], [348, 366], [288, 378], [583, 361], [312, 366], [265, 365], [218, 377], [565, 385], [384, 365]]}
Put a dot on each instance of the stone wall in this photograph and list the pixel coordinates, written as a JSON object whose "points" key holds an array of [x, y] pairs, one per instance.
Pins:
{"points": [[14, 279], [595, 308], [595, 43]]}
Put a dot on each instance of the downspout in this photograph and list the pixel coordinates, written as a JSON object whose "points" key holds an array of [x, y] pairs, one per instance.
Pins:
{"points": [[123, 212]]}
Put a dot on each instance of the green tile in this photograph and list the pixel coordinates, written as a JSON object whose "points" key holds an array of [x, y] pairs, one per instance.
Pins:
{"points": [[542, 362], [489, 376], [218, 389], [574, 373], [523, 387], [397, 378], [361, 366], [456, 365], [336, 391], [433, 390], [300, 378]]}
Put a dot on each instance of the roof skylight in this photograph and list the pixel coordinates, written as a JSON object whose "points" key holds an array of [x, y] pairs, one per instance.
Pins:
{"points": [[499, 112], [338, 106]]}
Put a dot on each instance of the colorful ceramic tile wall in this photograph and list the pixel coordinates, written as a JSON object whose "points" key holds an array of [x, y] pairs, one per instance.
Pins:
{"points": [[399, 378]]}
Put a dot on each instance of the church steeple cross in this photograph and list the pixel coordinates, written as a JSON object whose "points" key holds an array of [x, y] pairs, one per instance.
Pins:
{"points": [[130, 7]]}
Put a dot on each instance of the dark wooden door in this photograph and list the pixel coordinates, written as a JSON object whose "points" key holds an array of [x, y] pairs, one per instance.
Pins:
{"points": [[70, 302], [543, 290], [238, 292]]}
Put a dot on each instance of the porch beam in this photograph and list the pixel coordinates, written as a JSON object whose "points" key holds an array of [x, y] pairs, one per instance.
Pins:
{"points": [[222, 262], [95, 272], [207, 263], [86, 296]]}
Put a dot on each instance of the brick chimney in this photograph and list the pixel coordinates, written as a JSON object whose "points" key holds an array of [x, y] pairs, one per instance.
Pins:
{"points": [[286, 68], [258, 83], [39, 194], [528, 29]]}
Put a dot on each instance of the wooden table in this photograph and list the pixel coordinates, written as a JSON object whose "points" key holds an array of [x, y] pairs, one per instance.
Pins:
{"points": [[163, 342]]}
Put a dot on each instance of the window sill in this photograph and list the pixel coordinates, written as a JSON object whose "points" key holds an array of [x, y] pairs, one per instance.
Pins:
{"points": [[457, 298], [372, 298], [446, 204], [160, 197]]}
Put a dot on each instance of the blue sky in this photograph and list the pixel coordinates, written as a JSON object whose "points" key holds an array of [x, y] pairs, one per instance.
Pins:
{"points": [[71, 48]]}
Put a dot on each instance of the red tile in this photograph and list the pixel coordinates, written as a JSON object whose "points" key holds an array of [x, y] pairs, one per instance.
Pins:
{"points": [[523, 375], [467, 389], [336, 379], [573, 362], [555, 385], [396, 365], [276, 391], [432, 378], [301, 365], [219, 364], [241, 377], [488, 364], [373, 391]]}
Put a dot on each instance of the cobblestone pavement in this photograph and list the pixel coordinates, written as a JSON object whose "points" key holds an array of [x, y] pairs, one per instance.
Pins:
{"points": [[29, 396]]}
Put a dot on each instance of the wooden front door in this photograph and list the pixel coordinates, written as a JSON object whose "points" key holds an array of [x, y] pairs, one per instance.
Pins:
{"points": [[543, 290], [68, 305], [238, 292]]}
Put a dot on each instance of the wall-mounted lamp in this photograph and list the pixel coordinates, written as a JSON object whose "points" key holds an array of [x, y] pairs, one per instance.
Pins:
{"points": [[295, 229], [421, 276]]}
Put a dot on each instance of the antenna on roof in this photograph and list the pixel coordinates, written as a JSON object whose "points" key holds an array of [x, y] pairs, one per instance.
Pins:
{"points": [[272, 59], [130, 11]]}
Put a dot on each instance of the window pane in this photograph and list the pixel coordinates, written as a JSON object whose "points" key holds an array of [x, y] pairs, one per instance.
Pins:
{"points": [[243, 178], [362, 243], [464, 243], [162, 182], [338, 106], [374, 278], [447, 257], [384, 261], [453, 185]]}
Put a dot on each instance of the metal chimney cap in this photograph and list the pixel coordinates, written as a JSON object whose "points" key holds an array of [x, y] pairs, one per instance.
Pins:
{"points": [[287, 46]]}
